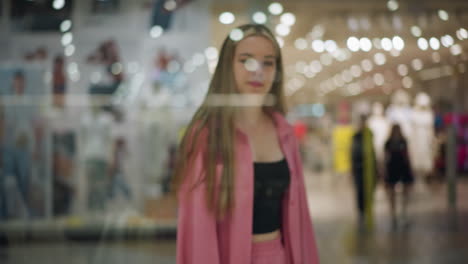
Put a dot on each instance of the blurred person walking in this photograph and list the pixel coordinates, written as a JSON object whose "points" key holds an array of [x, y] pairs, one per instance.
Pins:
{"points": [[398, 170], [239, 176], [364, 171]]}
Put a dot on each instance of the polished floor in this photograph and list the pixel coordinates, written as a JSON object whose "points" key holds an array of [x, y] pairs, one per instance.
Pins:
{"points": [[433, 233]]}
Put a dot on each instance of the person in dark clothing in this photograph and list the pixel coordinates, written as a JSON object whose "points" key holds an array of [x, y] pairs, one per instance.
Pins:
{"points": [[59, 81], [364, 170], [398, 169]]}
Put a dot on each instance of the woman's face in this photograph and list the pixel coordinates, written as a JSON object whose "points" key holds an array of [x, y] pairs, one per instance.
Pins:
{"points": [[254, 65]]}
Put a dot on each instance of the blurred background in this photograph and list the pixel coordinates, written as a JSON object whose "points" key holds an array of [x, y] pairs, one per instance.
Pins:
{"points": [[95, 95]]}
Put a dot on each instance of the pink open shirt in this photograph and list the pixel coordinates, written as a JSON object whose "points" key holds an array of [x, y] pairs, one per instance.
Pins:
{"points": [[201, 239]]}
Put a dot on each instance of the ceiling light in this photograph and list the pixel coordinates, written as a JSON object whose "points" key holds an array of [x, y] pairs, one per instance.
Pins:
{"points": [[275, 8], [398, 43], [259, 18], [353, 44], [443, 15], [227, 18], [288, 19], [422, 44], [416, 31]]}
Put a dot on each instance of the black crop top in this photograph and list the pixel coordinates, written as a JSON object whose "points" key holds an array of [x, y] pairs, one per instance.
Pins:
{"points": [[271, 182]]}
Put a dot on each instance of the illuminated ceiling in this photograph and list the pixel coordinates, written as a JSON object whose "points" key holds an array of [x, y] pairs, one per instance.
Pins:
{"points": [[338, 20]]}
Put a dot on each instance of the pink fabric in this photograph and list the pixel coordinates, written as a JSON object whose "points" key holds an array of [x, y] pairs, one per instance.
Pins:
{"points": [[269, 252], [201, 239]]}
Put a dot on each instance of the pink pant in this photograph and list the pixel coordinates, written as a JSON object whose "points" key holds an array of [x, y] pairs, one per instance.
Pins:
{"points": [[269, 252]]}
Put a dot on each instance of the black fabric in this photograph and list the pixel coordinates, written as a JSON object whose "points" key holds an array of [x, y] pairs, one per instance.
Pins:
{"points": [[271, 181], [359, 192], [397, 162]]}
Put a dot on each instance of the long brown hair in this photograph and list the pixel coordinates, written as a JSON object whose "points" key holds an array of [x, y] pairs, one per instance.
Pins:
{"points": [[218, 122]]}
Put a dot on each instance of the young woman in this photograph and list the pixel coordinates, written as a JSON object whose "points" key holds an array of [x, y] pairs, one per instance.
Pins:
{"points": [[398, 169], [239, 177]]}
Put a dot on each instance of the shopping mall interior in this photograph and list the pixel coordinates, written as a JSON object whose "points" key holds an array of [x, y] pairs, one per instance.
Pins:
{"points": [[96, 96]]}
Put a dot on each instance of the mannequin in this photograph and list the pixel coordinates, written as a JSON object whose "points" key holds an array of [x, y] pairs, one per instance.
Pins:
{"points": [[18, 145], [121, 153], [422, 137], [399, 111], [379, 126], [63, 126], [157, 134], [96, 146]]}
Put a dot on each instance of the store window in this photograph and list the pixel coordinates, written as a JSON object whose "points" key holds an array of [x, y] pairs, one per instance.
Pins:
{"points": [[105, 6], [39, 15]]}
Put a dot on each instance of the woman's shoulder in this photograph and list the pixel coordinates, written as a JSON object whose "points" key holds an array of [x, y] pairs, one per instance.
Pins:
{"points": [[197, 128], [197, 133]]}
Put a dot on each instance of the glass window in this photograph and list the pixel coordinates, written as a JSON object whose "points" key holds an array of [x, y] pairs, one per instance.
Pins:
{"points": [[35, 15]]}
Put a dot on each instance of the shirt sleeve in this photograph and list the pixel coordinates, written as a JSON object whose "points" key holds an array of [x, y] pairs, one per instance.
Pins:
{"points": [[197, 238]]}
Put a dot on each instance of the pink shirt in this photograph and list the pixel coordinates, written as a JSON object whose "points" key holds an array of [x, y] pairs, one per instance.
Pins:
{"points": [[202, 239]]}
